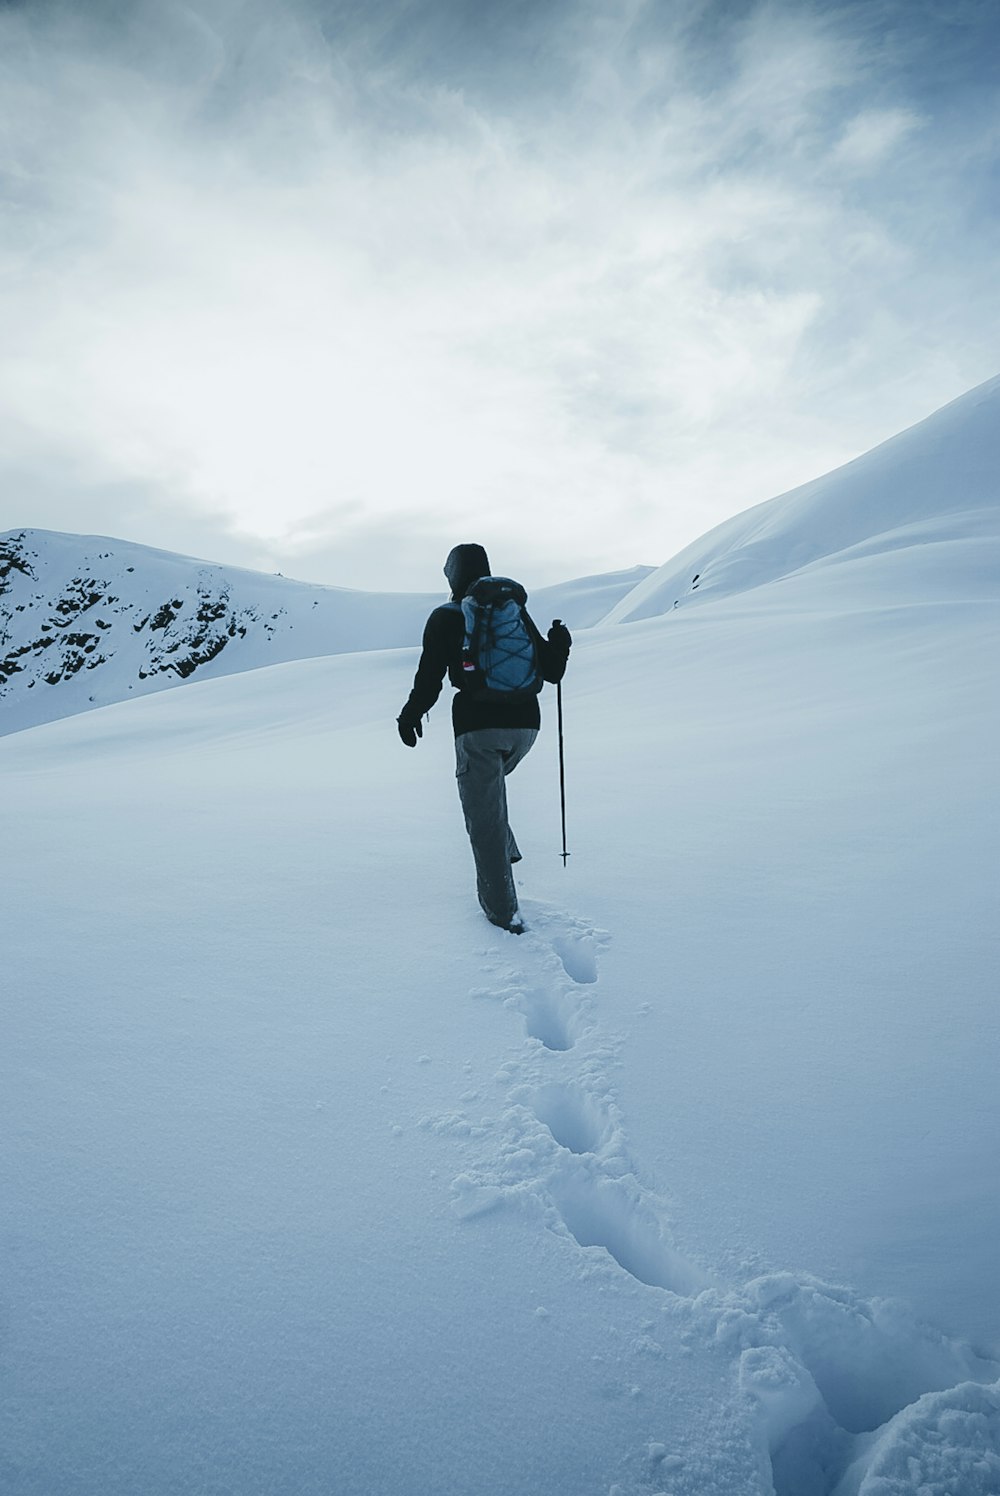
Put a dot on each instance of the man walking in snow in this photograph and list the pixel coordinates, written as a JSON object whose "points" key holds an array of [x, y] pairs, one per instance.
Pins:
{"points": [[494, 728]]}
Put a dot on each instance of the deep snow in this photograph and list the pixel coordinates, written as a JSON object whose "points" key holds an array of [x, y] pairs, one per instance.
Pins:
{"points": [[318, 1183]]}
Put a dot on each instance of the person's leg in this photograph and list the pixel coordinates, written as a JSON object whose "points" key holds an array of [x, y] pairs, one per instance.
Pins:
{"points": [[520, 740], [483, 760]]}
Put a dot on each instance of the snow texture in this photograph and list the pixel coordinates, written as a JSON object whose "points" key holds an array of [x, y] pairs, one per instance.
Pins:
{"points": [[314, 1182]]}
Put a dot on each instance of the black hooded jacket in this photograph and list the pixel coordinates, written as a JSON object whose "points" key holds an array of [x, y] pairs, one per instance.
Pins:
{"points": [[444, 633]]}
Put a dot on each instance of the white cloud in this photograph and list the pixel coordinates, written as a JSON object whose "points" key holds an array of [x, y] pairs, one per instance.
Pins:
{"points": [[873, 135], [324, 305]]}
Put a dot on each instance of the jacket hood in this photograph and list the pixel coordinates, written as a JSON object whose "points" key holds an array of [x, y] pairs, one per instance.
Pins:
{"points": [[465, 565]]}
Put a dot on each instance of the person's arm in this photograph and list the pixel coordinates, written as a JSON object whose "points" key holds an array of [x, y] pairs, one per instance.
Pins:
{"points": [[553, 651], [435, 656]]}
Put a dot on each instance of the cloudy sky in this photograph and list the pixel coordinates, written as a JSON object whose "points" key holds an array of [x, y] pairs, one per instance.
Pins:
{"points": [[324, 287]]}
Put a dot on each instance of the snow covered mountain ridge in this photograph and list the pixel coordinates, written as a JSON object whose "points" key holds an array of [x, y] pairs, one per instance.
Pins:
{"points": [[934, 482], [86, 621]]}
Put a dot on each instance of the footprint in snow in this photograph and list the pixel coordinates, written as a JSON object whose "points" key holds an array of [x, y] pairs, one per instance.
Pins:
{"points": [[578, 956], [602, 1212], [575, 943], [551, 1018], [571, 1117]]}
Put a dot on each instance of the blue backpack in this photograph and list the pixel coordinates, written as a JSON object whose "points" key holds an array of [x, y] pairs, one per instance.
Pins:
{"points": [[499, 662]]}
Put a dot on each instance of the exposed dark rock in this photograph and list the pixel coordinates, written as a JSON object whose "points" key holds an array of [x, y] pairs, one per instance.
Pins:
{"points": [[168, 612], [11, 559], [76, 630]]}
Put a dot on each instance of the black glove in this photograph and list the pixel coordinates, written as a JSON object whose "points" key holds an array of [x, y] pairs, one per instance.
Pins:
{"points": [[559, 637], [410, 729]]}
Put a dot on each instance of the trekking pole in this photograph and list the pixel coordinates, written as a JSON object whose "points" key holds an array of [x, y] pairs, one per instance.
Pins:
{"points": [[562, 766]]}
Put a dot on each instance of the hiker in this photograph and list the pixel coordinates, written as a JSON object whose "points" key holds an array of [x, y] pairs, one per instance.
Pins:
{"points": [[495, 725]]}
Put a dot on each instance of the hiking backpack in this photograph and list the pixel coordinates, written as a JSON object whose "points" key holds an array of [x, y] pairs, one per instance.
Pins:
{"points": [[499, 662]]}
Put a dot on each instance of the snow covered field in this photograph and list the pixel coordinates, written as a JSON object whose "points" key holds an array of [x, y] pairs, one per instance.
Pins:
{"points": [[315, 1182]]}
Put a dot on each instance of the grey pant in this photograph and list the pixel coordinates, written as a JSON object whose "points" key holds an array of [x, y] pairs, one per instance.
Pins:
{"points": [[483, 760]]}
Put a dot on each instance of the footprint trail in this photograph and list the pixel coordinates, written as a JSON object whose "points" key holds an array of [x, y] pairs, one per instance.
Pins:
{"points": [[833, 1391]]}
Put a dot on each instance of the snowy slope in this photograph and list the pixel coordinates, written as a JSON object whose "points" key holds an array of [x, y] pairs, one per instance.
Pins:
{"points": [[85, 621], [317, 1183], [934, 482]]}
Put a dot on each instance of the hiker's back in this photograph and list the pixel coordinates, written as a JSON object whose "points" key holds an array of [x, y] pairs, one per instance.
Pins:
{"points": [[499, 660]]}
